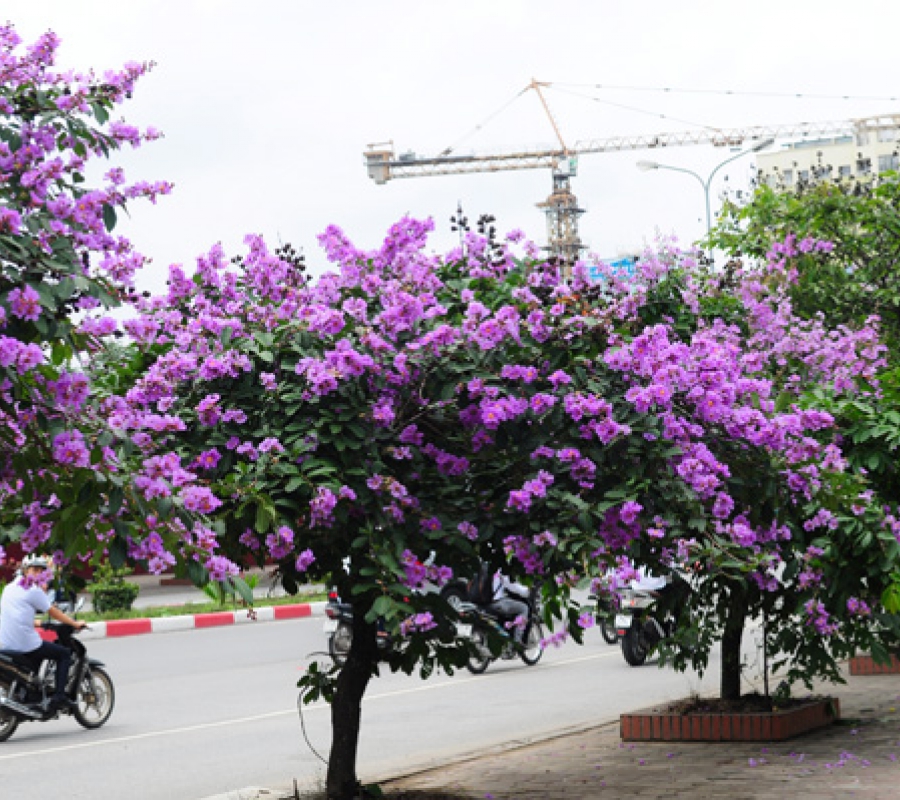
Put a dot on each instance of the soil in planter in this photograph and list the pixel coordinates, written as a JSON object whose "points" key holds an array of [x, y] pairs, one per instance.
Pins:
{"points": [[754, 703]]}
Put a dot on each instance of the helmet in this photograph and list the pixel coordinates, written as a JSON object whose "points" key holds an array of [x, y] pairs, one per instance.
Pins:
{"points": [[33, 560]]}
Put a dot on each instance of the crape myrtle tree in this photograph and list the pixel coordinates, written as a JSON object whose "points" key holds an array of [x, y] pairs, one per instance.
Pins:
{"points": [[856, 278], [404, 414], [62, 484]]}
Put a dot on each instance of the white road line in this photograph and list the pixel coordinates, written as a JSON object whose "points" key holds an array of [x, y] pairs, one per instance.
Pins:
{"points": [[273, 714]]}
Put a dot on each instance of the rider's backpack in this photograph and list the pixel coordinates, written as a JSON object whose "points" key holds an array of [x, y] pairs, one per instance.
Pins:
{"points": [[480, 587]]}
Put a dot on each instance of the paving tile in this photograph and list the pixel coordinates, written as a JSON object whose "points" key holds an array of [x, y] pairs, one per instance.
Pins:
{"points": [[857, 757]]}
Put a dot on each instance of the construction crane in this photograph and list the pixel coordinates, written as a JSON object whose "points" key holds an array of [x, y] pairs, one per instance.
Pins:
{"points": [[561, 207]]}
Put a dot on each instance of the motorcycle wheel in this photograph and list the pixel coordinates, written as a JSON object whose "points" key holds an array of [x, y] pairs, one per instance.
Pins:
{"points": [[339, 644], [8, 722], [478, 660], [608, 632], [533, 651], [454, 594], [96, 698], [635, 653]]}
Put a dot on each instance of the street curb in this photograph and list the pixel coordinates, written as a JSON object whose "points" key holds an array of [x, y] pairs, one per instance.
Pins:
{"points": [[136, 627]]}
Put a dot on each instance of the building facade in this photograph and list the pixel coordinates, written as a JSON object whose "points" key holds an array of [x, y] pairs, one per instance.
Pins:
{"points": [[871, 145]]}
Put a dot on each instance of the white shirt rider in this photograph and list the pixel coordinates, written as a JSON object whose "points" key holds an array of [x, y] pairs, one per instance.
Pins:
{"points": [[18, 607], [646, 581]]}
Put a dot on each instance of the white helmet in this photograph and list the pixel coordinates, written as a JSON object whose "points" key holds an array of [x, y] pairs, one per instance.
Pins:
{"points": [[36, 561]]}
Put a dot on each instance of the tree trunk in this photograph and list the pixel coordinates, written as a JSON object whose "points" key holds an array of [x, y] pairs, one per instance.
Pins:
{"points": [[730, 684], [341, 782]]}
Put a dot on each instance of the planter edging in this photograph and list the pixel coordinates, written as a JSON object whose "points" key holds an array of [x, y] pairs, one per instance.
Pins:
{"points": [[659, 725], [866, 665]]}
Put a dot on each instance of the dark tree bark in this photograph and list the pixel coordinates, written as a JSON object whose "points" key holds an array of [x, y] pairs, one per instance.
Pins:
{"points": [[341, 782], [736, 613]]}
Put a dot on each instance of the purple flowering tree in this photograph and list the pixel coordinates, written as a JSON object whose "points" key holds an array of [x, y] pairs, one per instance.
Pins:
{"points": [[60, 465], [404, 414]]}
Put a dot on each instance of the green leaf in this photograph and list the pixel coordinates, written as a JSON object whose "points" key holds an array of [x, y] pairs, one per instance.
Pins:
{"points": [[100, 113], [116, 497], [241, 587], [109, 216], [118, 553], [197, 573], [293, 484], [383, 607], [890, 598]]}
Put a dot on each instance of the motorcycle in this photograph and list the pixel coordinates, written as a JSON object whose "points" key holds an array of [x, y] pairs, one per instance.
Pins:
{"points": [[608, 631], [25, 693], [479, 623], [339, 627], [605, 616], [338, 623], [639, 627]]}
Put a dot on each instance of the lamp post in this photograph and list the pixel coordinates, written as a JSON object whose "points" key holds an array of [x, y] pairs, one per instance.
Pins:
{"points": [[645, 166]]}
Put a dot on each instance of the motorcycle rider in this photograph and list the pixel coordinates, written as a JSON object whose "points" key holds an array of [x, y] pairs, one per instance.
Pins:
{"points": [[672, 591], [508, 602], [22, 600], [646, 581]]}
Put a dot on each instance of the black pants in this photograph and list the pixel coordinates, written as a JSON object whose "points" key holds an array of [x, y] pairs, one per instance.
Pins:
{"points": [[63, 658]]}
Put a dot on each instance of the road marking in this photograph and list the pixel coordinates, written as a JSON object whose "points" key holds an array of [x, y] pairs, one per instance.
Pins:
{"points": [[450, 682]]}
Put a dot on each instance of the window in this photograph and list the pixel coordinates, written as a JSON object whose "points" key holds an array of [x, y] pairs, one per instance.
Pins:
{"points": [[803, 175], [845, 171], [788, 175], [888, 161]]}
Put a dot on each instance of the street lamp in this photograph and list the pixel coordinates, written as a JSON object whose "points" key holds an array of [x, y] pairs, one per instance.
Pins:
{"points": [[646, 166]]}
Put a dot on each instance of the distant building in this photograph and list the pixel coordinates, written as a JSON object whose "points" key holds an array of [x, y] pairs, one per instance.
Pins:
{"points": [[870, 146]]}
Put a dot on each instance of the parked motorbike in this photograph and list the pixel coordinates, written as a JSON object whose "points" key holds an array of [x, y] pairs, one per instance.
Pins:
{"points": [[639, 627], [338, 623], [25, 693], [479, 623]]}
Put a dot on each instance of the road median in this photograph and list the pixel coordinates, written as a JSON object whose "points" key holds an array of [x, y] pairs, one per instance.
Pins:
{"points": [[182, 622]]}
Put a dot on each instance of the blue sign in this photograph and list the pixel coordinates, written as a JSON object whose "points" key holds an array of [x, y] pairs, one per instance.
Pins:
{"points": [[622, 267]]}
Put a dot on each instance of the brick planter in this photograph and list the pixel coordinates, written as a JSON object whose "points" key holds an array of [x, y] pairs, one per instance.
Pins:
{"points": [[866, 665], [659, 725]]}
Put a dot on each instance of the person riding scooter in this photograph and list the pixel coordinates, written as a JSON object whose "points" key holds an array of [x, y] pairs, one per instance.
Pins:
{"points": [[508, 602], [21, 601]]}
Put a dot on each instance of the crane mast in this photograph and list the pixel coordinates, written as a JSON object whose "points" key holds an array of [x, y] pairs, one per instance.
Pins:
{"points": [[561, 207]]}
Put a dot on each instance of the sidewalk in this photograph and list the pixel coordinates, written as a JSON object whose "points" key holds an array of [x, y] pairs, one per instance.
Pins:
{"points": [[858, 756]]}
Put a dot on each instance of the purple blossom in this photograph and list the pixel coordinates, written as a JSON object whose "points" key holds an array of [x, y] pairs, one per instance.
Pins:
{"points": [[468, 530], [69, 448], [200, 499], [25, 303], [220, 568], [304, 560]]}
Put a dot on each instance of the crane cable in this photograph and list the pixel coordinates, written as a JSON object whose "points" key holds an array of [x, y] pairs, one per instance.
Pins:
{"points": [[730, 92], [448, 150], [625, 107]]}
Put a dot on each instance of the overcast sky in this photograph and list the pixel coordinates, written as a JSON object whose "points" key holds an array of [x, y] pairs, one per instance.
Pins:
{"points": [[267, 107]]}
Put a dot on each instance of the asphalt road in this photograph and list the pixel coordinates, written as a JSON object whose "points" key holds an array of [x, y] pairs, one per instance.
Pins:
{"points": [[204, 712]]}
